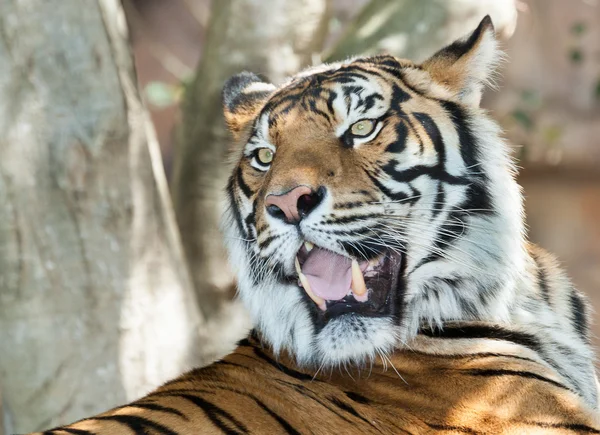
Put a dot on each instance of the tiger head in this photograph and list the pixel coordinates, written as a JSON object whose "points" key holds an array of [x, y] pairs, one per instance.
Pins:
{"points": [[371, 197]]}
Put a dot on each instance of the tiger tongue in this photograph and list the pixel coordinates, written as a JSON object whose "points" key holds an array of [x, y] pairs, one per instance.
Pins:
{"points": [[329, 274]]}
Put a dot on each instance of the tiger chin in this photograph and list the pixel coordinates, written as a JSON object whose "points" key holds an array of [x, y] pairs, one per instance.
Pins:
{"points": [[374, 222]]}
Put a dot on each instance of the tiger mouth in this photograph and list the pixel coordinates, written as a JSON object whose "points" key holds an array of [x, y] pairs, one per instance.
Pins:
{"points": [[338, 284]]}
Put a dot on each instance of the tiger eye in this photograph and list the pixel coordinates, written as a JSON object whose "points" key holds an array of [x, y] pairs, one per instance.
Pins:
{"points": [[265, 156], [362, 127]]}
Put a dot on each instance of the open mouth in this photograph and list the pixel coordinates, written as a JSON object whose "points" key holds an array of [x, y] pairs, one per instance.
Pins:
{"points": [[338, 284]]}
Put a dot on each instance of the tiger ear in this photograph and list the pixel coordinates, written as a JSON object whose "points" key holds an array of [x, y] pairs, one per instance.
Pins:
{"points": [[243, 96], [466, 66]]}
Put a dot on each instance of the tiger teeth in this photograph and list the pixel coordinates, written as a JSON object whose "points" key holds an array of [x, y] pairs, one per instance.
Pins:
{"points": [[306, 285], [359, 288], [309, 246]]}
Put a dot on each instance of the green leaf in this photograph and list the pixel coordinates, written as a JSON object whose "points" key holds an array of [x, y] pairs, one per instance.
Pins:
{"points": [[522, 118], [597, 90], [161, 94]]}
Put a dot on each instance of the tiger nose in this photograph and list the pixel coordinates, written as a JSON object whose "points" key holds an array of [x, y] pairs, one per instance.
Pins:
{"points": [[295, 204]]}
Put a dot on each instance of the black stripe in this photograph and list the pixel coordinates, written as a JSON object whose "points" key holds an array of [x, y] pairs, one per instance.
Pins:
{"points": [[233, 206], [219, 417], [155, 407], [445, 236], [330, 99], [349, 409], [541, 277], [284, 424], [231, 364], [350, 219], [223, 413], [432, 130], [399, 144], [138, 425], [267, 242], [482, 331], [519, 373], [353, 232], [475, 355], [447, 428], [288, 371], [578, 314], [315, 110], [306, 393], [245, 342], [369, 101], [357, 397], [575, 427], [68, 430], [468, 143], [348, 205], [395, 196], [440, 200], [240, 180], [399, 96]]}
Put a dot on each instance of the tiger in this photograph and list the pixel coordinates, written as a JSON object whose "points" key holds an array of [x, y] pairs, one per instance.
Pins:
{"points": [[377, 234]]}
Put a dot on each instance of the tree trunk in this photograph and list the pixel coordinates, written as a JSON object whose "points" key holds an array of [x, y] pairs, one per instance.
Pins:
{"points": [[275, 38], [96, 303], [415, 29]]}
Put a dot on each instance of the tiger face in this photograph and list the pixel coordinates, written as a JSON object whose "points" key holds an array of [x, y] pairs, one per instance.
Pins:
{"points": [[369, 197]]}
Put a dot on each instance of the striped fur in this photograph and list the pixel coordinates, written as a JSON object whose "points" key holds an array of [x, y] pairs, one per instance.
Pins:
{"points": [[493, 386], [481, 332]]}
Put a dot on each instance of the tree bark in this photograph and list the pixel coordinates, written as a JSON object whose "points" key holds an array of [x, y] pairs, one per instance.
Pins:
{"points": [[415, 29], [275, 38], [96, 303]]}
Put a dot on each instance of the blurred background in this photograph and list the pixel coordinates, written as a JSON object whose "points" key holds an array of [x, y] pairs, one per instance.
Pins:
{"points": [[88, 194]]}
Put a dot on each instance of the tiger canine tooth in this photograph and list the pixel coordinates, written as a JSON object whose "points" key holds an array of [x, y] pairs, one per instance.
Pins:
{"points": [[309, 246], [359, 288], [306, 285]]}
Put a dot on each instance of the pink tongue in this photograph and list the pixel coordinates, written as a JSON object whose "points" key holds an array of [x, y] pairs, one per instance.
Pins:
{"points": [[329, 274]]}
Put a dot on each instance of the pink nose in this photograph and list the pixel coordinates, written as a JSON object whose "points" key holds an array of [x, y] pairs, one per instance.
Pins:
{"points": [[293, 205]]}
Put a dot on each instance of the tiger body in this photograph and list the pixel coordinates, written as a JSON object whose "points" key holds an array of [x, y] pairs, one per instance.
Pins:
{"points": [[375, 223], [494, 386]]}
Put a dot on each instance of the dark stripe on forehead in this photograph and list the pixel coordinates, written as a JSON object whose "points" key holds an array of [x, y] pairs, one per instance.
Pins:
{"points": [[399, 96], [369, 101]]}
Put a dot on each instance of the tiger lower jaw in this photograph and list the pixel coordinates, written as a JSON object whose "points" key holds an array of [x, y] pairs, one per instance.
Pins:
{"points": [[340, 285]]}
